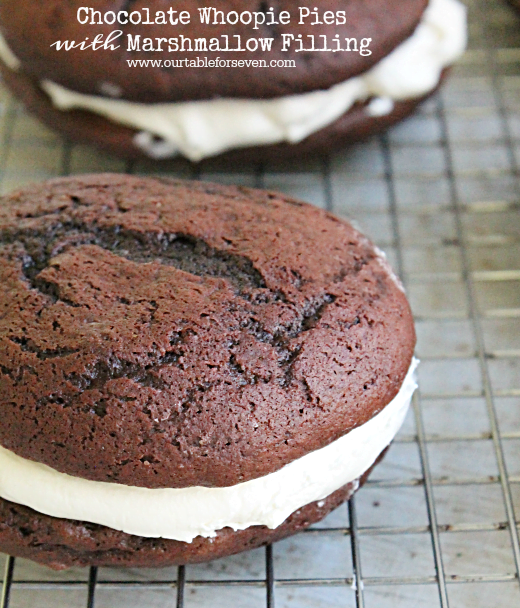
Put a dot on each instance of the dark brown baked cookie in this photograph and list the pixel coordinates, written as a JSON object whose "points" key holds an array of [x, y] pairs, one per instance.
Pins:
{"points": [[62, 543], [85, 71], [165, 333]]}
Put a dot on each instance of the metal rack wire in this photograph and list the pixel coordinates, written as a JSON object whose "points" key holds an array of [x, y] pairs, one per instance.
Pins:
{"points": [[437, 524]]}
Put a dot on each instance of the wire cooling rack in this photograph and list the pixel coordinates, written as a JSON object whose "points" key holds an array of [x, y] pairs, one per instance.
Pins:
{"points": [[436, 525]]}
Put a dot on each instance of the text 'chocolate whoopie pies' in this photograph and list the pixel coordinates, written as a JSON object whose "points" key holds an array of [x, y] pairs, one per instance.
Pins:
{"points": [[149, 98], [187, 370]]}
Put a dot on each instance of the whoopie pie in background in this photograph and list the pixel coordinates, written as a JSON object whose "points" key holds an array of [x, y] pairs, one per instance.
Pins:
{"points": [[399, 53]]}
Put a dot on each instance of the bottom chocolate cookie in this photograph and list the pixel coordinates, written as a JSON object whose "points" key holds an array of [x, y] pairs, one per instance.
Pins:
{"points": [[86, 127], [62, 543]]}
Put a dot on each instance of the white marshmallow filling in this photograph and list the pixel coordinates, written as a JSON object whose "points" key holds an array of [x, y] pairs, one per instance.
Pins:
{"points": [[184, 513], [199, 129]]}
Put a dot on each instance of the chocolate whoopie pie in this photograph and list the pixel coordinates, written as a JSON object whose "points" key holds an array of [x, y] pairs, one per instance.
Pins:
{"points": [[187, 370], [334, 74]]}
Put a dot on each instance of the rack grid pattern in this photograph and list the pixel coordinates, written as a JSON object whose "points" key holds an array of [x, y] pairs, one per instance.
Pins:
{"points": [[437, 523]]}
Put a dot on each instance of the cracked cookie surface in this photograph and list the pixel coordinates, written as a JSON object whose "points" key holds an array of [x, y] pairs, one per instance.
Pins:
{"points": [[166, 333]]}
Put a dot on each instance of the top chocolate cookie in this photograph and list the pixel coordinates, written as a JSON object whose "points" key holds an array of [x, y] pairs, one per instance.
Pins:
{"points": [[30, 32], [167, 333]]}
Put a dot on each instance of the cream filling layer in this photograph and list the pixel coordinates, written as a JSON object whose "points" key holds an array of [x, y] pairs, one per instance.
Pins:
{"points": [[184, 513], [199, 129]]}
